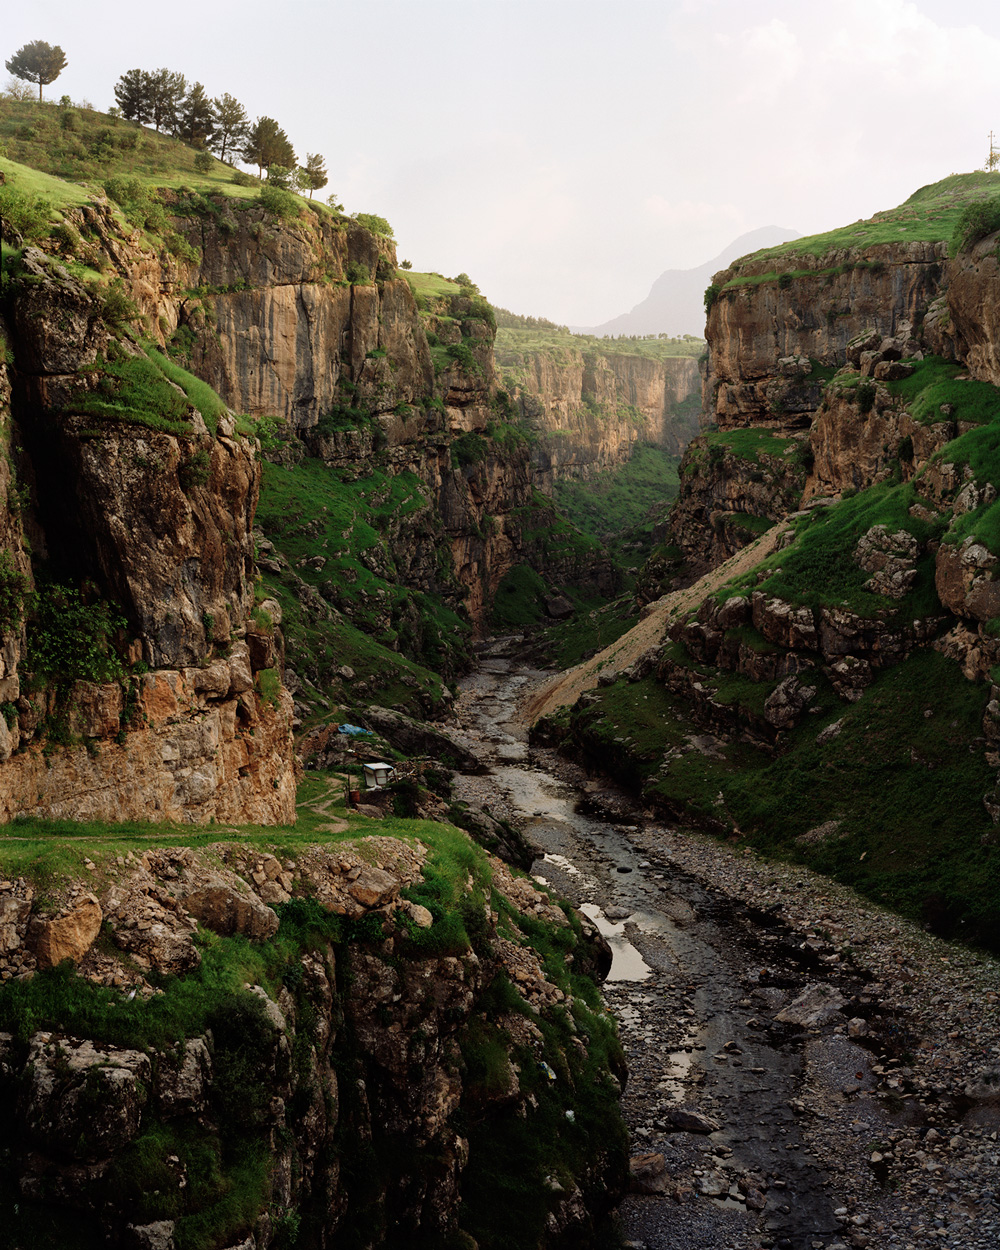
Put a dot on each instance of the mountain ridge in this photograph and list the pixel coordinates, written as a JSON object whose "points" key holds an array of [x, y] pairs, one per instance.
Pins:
{"points": [[674, 303]]}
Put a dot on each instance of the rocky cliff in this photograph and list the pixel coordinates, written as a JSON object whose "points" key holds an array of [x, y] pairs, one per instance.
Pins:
{"points": [[814, 699], [131, 689], [364, 1044], [588, 407]]}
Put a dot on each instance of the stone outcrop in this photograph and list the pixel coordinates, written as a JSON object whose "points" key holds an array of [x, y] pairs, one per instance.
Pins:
{"points": [[754, 327], [370, 1049], [725, 496]]}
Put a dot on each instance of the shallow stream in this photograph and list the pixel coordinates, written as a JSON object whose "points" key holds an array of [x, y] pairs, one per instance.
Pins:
{"points": [[690, 977]]}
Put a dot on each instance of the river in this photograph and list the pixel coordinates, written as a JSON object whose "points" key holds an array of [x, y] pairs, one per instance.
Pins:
{"points": [[715, 1084]]}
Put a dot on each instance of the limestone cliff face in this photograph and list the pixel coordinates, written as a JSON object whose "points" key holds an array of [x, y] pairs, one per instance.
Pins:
{"points": [[274, 324], [776, 338], [589, 408], [812, 315], [283, 332], [141, 683], [973, 309]]}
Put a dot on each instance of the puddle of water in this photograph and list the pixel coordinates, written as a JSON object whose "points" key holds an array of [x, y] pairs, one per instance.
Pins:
{"points": [[626, 962], [562, 862]]}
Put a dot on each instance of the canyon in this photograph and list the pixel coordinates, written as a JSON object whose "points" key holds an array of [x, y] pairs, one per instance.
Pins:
{"points": [[263, 492]]}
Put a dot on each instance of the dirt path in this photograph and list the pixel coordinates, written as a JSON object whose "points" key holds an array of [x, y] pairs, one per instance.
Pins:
{"points": [[567, 687]]}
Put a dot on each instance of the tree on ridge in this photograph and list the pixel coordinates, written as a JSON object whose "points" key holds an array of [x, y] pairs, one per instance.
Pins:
{"points": [[196, 118], [231, 123], [266, 144], [133, 93], [39, 62], [167, 89], [313, 175]]}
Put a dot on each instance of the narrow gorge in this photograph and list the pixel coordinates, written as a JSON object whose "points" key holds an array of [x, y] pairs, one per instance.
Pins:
{"points": [[684, 657]]}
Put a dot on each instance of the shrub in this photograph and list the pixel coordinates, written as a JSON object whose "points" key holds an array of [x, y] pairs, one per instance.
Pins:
{"points": [[27, 214], [240, 179], [865, 395], [471, 448], [462, 354], [278, 203], [14, 587], [357, 274], [204, 162], [483, 310], [195, 470], [117, 307], [71, 639], [140, 207], [711, 295], [374, 223], [978, 219]]}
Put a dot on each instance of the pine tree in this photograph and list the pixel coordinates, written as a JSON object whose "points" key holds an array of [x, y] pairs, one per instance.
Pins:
{"points": [[231, 123], [267, 144], [313, 175], [166, 93], [39, 62], [133, 92], [196, 118]]}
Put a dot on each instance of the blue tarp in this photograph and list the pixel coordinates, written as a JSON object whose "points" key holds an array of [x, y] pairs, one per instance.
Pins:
{"points": [[352, 731]]}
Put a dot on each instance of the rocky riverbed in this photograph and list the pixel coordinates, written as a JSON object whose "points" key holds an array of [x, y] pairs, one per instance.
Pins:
{"points": [[807, 1071]]}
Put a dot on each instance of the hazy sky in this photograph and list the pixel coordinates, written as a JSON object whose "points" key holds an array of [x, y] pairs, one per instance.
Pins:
{"points": [[565, 152]]}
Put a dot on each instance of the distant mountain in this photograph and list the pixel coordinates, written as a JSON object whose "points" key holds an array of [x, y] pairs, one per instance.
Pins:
{"points": [[675, 305]]}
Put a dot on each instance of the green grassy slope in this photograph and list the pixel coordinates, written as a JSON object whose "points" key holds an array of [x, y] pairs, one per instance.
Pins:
{"points": [[929, 216]]}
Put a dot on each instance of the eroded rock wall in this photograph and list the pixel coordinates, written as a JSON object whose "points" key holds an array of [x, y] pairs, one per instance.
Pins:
{"points": [[588, 409], [810, 315], [776, 339], [108, 504], [352, 1094]]}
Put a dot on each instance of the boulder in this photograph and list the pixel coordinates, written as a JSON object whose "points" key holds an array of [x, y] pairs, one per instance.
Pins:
{"points": [[69, 935], [891, 558], [784, 706], [648, 1174], [558, 607], [850, 677], [965, 579], [156, 1236], [221, 906], [816, 1005], [692, 1121], [411, 737], [373, 887]]}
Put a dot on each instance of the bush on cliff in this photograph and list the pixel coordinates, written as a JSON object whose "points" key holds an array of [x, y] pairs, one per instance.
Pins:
{"points": [[71, 636], [978, 219]]}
